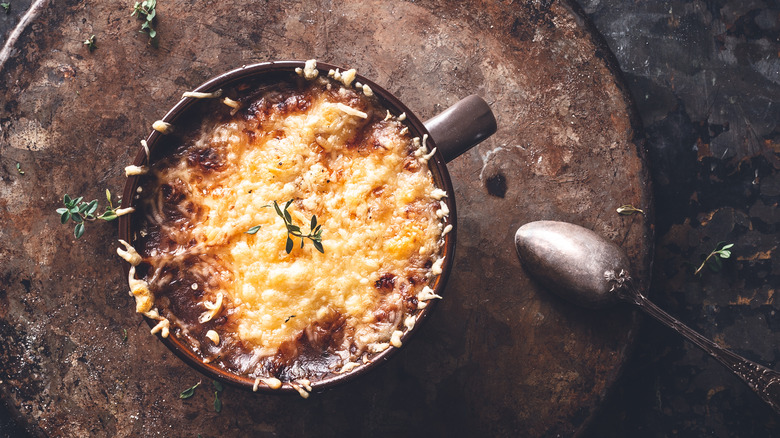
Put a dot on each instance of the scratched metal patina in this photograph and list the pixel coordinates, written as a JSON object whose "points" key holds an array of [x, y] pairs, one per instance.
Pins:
{"points": [[499, 357]]}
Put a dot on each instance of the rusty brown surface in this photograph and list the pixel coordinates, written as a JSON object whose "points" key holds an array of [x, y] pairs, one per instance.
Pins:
{"points": [[499, 357]]}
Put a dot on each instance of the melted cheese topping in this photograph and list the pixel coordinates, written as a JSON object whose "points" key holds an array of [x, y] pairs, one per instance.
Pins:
{"points": [[333, 154]]}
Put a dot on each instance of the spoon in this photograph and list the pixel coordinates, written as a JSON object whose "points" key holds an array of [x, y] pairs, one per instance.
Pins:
{"points": [[588, 270]]}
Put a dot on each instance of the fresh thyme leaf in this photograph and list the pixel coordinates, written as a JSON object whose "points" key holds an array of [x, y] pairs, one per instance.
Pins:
{"points": [[19, 169], [253, 230], [278, 210], [79, 230], [716, 264], [6, 7], [628, 209], [124, 335], [187, 393], [108, 216], [217, 402], [90, 43], [92, 207], [289, 245]]}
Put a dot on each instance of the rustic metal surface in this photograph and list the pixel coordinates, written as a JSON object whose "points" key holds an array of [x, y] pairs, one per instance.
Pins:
{"points": [[499, 357]]}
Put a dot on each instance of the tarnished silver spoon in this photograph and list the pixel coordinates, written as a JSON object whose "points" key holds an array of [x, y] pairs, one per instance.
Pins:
{"points": [[588, 270]]}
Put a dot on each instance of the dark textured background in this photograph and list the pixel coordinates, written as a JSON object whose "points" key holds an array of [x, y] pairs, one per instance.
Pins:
{"points": [[706, 79]]}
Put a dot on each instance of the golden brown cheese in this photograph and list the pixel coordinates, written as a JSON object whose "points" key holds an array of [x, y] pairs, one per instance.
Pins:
{"points": [[333, 152]]}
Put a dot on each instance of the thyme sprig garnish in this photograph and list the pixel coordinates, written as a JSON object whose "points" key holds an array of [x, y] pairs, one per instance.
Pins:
{"points": [[715, 257], [146, 11], [315, 229], [80, 211]]}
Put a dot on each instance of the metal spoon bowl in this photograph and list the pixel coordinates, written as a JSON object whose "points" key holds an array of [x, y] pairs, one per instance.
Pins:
{"points": [[588, 270]]}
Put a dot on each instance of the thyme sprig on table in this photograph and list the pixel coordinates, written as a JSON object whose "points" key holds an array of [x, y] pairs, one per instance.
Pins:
{"points": [[315, 229], [146, 11], [80, 211], [715, 257], [90, 43]]}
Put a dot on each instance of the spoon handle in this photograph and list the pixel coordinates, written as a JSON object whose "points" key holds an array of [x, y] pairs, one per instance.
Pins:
{"points": [[764, 381]]}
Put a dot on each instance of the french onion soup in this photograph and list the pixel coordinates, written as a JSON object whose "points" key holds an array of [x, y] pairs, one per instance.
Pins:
{"points": [[291, 232]]}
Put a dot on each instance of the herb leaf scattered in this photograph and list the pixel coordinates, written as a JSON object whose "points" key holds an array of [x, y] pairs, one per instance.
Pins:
{"points": [[715, 258], [253, 230], [146, 11], [19, 169], [628, 210], [6, 7], [217, 402], [187, 393], [90, 43], [79, 211], [79, 230], [218, 388], [124, 335]]}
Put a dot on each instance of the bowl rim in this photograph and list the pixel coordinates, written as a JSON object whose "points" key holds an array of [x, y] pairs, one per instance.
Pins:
{"points": [[436, 165]]}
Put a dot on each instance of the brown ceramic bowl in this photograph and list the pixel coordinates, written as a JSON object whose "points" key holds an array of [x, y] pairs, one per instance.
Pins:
{"points": [[459, 128]]}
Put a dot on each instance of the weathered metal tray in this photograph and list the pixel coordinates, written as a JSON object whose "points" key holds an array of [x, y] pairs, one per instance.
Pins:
{"points": [[499, 357]]}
